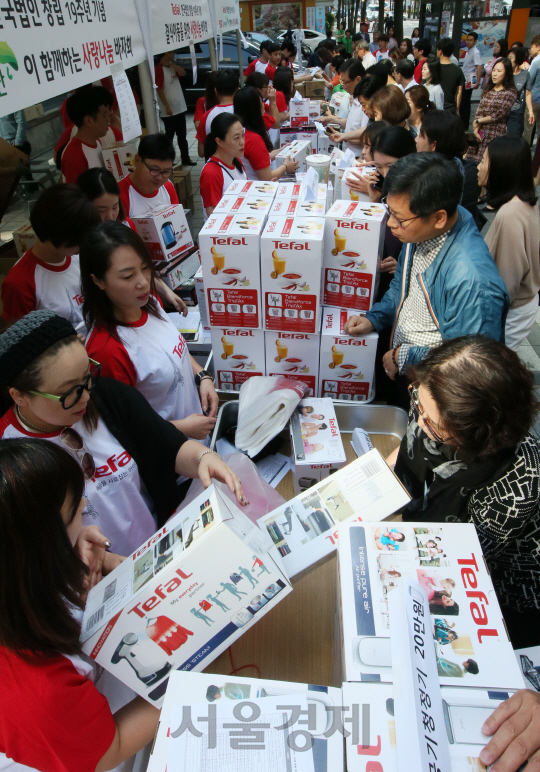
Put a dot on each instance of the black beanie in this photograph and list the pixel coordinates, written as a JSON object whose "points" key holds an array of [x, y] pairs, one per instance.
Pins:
{"points": [[27, 339]]}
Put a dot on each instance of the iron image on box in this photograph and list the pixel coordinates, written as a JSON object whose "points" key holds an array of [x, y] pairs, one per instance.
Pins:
{"points": [[165, 233], [353, 243], [238, 355], [347, 362], [294, 355], [229, 246], [291, 263]]}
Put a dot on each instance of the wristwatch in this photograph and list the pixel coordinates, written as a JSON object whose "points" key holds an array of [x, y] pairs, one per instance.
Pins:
{"points": [[200, 376]]}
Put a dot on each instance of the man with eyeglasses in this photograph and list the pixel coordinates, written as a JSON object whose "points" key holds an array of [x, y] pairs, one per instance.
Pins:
{"points": [[446, 283], [149, 187]]}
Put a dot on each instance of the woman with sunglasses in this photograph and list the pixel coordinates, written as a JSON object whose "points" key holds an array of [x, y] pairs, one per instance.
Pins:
{"points": [[133, 338], [130, 456], [468, 456], [149, 186], [52, 716]]}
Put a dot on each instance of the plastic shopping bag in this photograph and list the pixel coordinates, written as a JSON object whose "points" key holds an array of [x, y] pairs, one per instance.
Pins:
{"points": [[265, 406]]}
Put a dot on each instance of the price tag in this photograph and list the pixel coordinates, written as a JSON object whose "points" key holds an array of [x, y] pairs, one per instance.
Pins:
{"points": [[310, 186], [193, 60], [348, 159], [320, 128]]}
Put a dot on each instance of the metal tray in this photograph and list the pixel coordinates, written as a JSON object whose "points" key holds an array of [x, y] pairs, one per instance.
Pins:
{"points": [[375, 419]]}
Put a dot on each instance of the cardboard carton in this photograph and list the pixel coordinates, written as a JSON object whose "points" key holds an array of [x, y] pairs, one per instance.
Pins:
{"points": [[238, 355], [347, 363], [181, 180], [295, 151], [229, 247], [24, 239], [291, 190], [249, 204], [201, 298], [294, 355], [120, 159], [182, 598], [305, 529], [181, 270], [315, 89], [253, 188], [353, 243], [446, 559], [323, 702], [288, 134], [165, 233], [315, 423], [291, 262], [299, 112], [282, 207]]}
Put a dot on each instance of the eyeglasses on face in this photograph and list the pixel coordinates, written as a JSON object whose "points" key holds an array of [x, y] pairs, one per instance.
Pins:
{"points": [[70, 397], [433, 429], [393, 216], [157, 173]]}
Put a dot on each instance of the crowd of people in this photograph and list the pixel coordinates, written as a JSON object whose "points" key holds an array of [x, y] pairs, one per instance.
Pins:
{"points": [[106, 415]]}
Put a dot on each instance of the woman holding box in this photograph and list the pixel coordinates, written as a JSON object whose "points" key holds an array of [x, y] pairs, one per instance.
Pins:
{"points": [[130, 456], [102, 190], [223, 148], [131, 336]]}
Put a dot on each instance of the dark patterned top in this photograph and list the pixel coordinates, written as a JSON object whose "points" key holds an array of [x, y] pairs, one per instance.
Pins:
{"points": [[496, 104]]}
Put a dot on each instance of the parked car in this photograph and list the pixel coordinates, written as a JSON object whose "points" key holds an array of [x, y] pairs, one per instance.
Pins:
{"points": [[311, 38], [230, 59], [258, 37]]}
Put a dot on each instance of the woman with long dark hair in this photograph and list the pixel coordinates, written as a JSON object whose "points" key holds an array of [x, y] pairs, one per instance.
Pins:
{"points": [[258, 151], [131, 336], [514, 234], [420, 104], [495, 104], [406, 49], [516, 119], [223, 148], [284, 84], [500, 51], [431, 78], [130, 456]]}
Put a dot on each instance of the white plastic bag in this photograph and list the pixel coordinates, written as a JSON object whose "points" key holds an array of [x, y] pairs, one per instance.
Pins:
{"points": [[265, 406]]}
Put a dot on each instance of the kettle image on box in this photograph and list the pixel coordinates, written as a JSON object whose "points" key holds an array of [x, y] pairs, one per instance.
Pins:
{"points": [[140, 653], [169, 235]]}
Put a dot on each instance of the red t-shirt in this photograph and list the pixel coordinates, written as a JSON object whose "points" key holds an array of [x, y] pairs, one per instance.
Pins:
{"points": [[206, 121], [268, 119], [137, 204], [250, 68], [256, 155], [200, 109], [52, 717], [418, 71], [281, 102], [214, 181], [78, 157]]}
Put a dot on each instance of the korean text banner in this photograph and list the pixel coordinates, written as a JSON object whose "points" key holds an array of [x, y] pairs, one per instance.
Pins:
{"points": [[227, 15], [48, 47], [176, 24]]}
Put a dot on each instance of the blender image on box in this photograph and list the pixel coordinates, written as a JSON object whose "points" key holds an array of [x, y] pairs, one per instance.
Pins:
{"points": [[238, 355], [354, 238], [293, 355]]}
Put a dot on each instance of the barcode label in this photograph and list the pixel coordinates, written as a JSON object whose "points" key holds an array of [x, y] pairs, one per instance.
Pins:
{"points": [[371, 468], [96, 617]]}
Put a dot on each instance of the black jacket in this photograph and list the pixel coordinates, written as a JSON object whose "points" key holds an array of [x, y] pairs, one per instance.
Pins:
{"points": [[152, 441]]}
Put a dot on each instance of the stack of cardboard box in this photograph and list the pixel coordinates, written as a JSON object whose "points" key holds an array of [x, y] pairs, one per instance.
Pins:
{"points": [[181, 180]]}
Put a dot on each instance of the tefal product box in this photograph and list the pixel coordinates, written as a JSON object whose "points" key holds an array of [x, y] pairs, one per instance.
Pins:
{"points": [[290, 190], [348, 193], [229, 247], [323, 707], [294, 355], [305, 529], [314, 429], [288, 134], [165, 233], [181, 270], [261, 189], [469, 635], [347, 362], [24, 239], [281, 207], [291, 264], [353, 243], [184, 596], [295, 151], [120, 159], [238, 355], [247, 205], [201, 298], [299, 112]]}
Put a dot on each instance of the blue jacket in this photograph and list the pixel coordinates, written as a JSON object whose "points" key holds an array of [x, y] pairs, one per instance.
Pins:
{"points": [[464, 291]]}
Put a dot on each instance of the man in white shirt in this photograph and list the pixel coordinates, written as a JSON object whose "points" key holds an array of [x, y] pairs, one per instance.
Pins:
{"points": [[404, 74], [367, 58], [472, 72]]}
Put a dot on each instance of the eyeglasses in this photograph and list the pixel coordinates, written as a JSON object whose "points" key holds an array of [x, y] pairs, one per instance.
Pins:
{"points": [[157, 173], [413, 391], [399, 222], [73, 395], [74, 441]]}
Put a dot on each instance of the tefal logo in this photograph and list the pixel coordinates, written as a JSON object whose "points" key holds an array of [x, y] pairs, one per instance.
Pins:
{"points": [[478, 610], [175, 7], [350, 342], [160, 594], [112, 465], [180, 347], [333, 427], [238, 333], [79, 299], [353, 225], [156, 537], [292, 336], [230, 241], [291, 245], [168, 213]]}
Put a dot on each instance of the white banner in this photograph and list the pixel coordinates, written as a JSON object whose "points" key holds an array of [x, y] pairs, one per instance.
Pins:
{"points": [[227, 15], [176, 24], [48, 47]]}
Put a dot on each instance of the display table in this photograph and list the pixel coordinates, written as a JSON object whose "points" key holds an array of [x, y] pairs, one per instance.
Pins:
{"points": [[295, 641]]}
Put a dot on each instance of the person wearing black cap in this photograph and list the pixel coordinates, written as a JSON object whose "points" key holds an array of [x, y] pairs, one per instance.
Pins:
{"points": [[130, 456]]}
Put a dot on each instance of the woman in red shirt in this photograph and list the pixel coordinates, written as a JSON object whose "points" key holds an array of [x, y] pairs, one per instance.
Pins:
{"points": [[285, 88], [223, 148], [207, 101], [258, 152]]}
